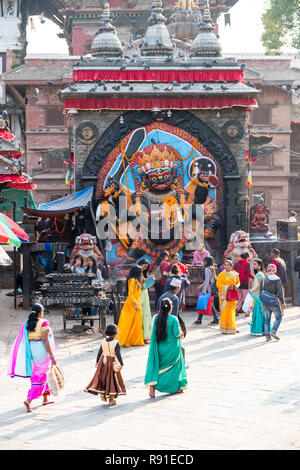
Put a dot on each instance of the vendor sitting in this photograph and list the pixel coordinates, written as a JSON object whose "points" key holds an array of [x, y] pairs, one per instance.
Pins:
{"points": [[199, 256], [91, 268], [78, 267]]}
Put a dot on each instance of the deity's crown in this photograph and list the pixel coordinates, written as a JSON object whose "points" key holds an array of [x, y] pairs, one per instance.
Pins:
{"points": [[158, 158]]}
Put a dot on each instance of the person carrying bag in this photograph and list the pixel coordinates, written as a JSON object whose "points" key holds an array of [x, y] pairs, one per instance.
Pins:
{"points": [[271, 296], [209, 289], [55, 379]]}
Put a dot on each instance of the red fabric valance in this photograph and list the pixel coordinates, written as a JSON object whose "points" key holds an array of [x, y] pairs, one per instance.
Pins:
{"points": [[159, 75], [163, 103], [22, 186], [16, 182], [10, 155]]}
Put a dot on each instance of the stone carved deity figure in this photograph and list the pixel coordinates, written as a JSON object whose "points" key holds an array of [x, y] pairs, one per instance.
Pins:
{"points": [[259, 218]]}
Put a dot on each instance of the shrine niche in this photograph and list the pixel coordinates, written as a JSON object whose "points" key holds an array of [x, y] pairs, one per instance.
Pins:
{"points": [[162, 165], [259, 218]]}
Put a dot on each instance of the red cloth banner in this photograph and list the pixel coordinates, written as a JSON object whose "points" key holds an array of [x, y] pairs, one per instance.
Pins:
{"points": [[22, 186], [162, 103], [159, 75], [16, 182]]}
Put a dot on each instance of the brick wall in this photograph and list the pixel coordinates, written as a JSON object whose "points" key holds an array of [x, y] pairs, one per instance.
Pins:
{"points": [[40, 138], [271, 175]]}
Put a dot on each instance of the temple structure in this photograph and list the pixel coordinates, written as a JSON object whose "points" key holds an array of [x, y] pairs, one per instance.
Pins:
{"points": [[11, 169], [78, 21], [166, 124]]}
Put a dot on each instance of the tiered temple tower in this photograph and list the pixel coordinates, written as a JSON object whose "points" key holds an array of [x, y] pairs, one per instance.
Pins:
{"points": [[168, 126]]}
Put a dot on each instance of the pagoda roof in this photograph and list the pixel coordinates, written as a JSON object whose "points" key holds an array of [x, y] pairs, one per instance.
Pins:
{"points": [[11, 176], [272, 74], [7, 166], [38, 75], [7, 146], [126, 89], [193, 83]]}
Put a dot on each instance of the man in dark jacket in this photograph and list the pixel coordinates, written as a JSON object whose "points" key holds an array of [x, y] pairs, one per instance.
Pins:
{"points": [[297, 269], [281, 266], [272, 285], [176, 273], [172, 294]]}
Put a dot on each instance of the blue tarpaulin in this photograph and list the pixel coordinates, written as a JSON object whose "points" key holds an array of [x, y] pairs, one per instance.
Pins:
{"points": [[80, 199], [63, 205]]}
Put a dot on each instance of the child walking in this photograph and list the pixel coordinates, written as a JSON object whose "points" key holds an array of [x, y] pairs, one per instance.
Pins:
{"points": [[107, 380]]}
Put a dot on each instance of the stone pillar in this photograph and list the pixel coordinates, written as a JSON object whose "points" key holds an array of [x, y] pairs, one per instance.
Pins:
{"points": [[235, 211]]}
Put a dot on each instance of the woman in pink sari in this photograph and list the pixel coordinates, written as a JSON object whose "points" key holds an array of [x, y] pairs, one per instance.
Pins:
{"points": [[32, 355]]}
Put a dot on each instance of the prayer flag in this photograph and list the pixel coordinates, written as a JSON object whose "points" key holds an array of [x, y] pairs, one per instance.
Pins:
{"points": [[249, 180], [69, 178]]}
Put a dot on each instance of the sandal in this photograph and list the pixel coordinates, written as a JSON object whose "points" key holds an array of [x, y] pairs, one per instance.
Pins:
{"points": [[27, 406], [48, 403], [112, 401], [152, 392], [178, 391]]}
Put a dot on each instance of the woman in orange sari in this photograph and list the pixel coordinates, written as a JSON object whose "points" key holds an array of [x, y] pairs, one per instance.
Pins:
{"points": [[130, 324], [227, 280]]}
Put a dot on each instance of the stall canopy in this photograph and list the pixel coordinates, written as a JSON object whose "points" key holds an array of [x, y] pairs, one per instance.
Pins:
{"points": [[62, 206]]}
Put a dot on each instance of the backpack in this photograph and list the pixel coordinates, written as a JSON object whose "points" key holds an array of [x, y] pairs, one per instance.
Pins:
{"points": [[213, 284], [270, 300], [157, 273]]}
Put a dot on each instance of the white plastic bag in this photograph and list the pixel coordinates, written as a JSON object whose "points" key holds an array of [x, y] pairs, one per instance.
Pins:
{"points": [[248, 303]]}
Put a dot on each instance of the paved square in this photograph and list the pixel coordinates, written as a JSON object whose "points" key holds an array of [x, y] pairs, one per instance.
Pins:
{"points": [[242, 394]]}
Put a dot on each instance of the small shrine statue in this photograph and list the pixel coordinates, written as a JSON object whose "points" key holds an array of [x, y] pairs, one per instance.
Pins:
{"points": [[259, 218]]}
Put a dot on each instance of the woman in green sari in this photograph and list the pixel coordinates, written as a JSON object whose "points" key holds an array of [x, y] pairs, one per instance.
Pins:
{"points": [[257, 325], [145, 303], [165, 367]]}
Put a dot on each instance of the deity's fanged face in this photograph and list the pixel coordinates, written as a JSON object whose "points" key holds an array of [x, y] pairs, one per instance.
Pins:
{"points": [[160, 179], [158, 168]]}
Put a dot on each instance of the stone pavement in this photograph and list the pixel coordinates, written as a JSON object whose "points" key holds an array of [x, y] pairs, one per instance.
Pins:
{"points": [[242, 394]]}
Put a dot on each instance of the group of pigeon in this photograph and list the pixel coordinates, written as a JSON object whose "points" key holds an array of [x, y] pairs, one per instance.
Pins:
{"points": [[124, 83]]}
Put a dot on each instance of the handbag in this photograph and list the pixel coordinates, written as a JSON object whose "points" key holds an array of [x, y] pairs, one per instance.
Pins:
{"points": [[157, 273], [213, 284], [232, 295], [55, 379], [213, 287], [203, 300], [270, 300]]}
